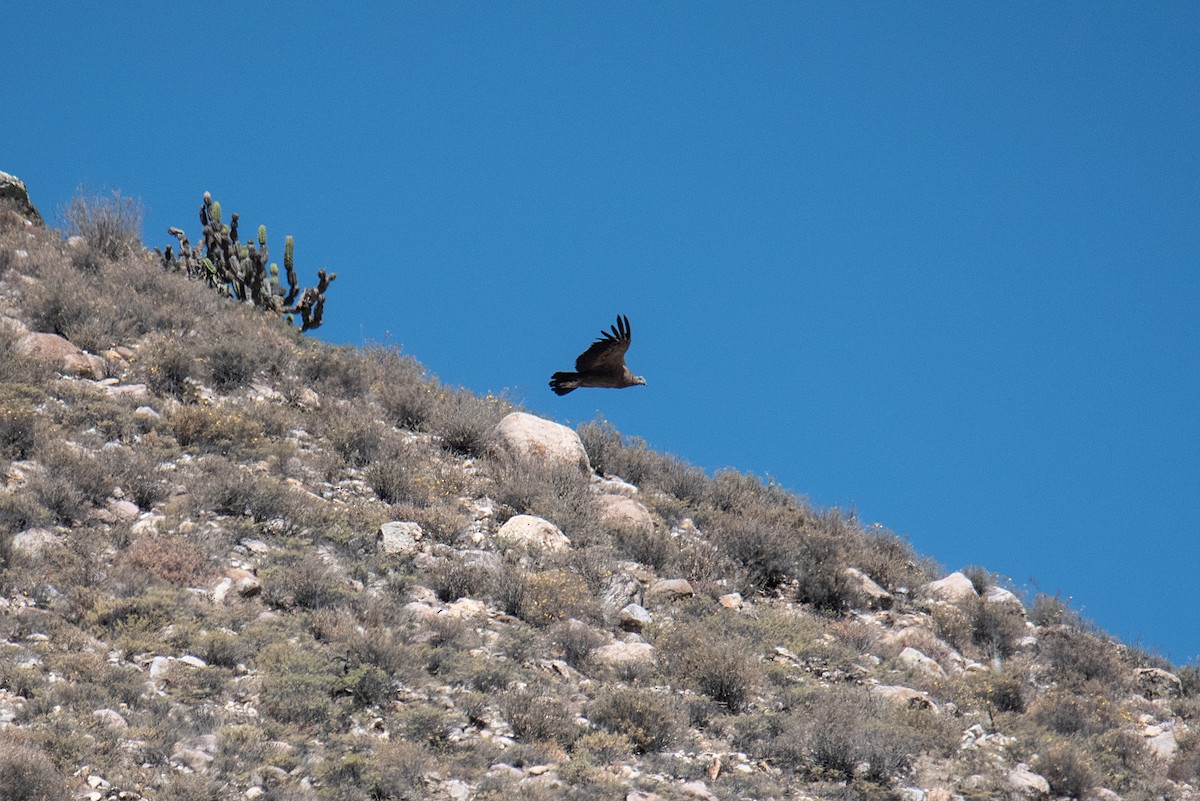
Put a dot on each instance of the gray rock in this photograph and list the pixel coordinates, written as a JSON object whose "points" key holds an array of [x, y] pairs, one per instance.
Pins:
{"points": [[533, 533], [1025, 782], [15, 195], [624, 653], [1154, 683], [634, 618], [401, 537], [34, 541], [918, 662], [110, 718], [669, 590], [877, 597]]}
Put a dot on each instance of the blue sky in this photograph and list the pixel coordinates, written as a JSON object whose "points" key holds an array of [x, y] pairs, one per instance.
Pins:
{"points": [[935, 262]]}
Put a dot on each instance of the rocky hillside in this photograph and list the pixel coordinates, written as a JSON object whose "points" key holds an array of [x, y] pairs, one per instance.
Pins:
{"points": [[239, 563]]}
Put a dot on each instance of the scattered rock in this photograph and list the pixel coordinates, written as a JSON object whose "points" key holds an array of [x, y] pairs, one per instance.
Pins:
{"points": [[697, 789], [904, 696], [34, 541], [731, 600], [526, 436], [111, 719]]}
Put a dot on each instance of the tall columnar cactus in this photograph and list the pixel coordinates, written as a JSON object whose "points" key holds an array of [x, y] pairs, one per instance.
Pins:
{"points": [[241, 271]]}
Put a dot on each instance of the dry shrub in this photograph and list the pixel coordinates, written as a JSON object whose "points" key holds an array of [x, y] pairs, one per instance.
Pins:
{"points": [[212, 429], [649, 720], [455, 578], [556, 595], [306, 581], [171, 557], [111, 225], [718, 662], [558, 492], [1079, 657], [166, 363], [574, 640], [1067, 768], [466, 422], [406, 395], [298, 684], [17, 430], [538, 717], [842, 732], [27, 774], [353, 433]]}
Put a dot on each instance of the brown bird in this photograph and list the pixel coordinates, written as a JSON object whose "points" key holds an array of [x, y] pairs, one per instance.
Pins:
{"points": [[602, 364]]}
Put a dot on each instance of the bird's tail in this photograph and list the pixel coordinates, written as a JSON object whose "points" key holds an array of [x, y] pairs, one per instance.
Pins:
{"points": [[562, 383]]}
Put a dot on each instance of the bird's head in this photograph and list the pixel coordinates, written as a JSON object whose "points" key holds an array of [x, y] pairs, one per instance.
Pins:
{"points": [[637, 379]]}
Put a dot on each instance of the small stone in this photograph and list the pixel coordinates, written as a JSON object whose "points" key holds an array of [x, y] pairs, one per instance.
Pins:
{"points": [[732, 600], [400, 536]]}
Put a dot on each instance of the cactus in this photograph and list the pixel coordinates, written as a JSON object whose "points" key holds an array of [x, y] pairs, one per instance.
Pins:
{"points": [[240, 270]]}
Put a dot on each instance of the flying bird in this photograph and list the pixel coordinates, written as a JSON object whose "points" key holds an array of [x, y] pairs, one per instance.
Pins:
{"points": [[602, 364]]}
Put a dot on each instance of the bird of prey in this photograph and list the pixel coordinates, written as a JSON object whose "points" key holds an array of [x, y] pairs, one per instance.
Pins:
{"points": [[602, 364]]}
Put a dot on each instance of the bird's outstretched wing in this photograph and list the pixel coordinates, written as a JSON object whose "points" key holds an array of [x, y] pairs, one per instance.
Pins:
{"points": [[607, 354]]}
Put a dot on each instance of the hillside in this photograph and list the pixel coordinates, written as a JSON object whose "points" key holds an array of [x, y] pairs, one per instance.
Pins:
{"points": [[236, 562]]}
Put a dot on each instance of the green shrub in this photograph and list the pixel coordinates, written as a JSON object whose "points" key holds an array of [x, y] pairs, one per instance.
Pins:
{"points": [[298, 684]]}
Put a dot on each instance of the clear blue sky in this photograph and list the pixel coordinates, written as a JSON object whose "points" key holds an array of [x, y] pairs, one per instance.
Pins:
{"points": [[938, 262]]}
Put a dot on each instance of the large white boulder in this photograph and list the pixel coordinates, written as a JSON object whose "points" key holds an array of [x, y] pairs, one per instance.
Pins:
{"points": [[529, 437]]}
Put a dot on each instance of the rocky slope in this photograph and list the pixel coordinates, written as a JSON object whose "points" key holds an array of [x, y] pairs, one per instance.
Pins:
{"points": [[237, 563]]}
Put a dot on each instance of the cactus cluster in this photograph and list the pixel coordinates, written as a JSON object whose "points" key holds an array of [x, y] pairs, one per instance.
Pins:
{"points": [[241, 270]]}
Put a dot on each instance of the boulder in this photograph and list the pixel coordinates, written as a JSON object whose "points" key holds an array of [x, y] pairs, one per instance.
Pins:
{"points": [[526, 436], [732, 600], [634, 618], [669, 590], [400, 536], [14, 195], [623, 512], [533, 533], [918, 662], [34, 541], [1024, 782], [903, 696], [953, 588], [65, 356], [624, 653], [876, 597], [1154, 683]]}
